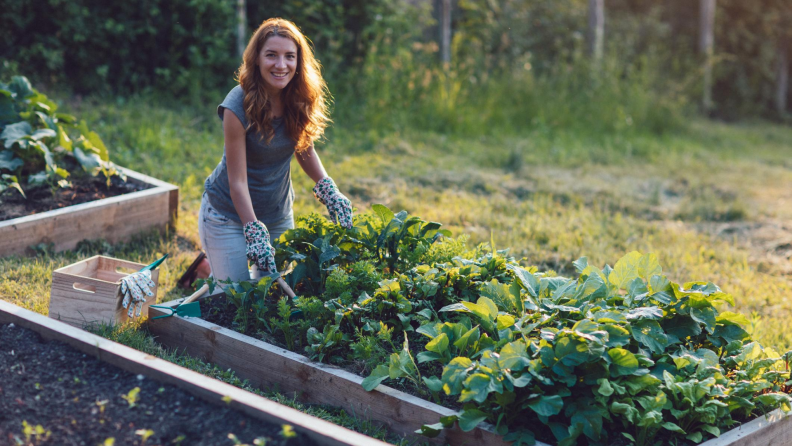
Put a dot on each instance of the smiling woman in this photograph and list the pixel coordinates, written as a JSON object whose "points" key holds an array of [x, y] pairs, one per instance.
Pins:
{"points": [[278, 109]]}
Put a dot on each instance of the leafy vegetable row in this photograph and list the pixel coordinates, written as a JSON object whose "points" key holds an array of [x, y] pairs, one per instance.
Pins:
{"points": [[41, 146], [618, 354]]}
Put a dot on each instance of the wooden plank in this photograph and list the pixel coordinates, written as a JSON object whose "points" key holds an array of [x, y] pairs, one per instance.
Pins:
{"points": [[267, 366], [203, 387], [114, 219], [775, 429]]}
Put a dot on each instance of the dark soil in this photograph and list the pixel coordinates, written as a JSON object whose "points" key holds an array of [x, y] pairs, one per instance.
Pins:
{"points": [[41, 199], [78, 399]]}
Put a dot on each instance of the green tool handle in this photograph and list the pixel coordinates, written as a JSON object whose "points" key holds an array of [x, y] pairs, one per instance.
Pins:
{"points": [[152, 266]]}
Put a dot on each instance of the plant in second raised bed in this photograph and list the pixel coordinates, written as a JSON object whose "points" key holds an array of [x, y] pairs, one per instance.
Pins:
{"points": [[42, 146]]}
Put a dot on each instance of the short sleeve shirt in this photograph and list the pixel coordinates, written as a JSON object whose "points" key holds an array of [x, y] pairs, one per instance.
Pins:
{"points": [[268, 169]]}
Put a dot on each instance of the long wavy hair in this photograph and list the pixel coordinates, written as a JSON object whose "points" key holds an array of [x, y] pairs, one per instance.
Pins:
{"points": [[304, 98]]}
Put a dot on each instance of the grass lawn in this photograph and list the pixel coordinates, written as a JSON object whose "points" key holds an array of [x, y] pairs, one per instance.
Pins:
{"points": [[713, 201]]}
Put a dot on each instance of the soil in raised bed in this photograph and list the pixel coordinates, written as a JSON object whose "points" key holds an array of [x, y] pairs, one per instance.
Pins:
{"points": [[79, 400], [42, 199]]}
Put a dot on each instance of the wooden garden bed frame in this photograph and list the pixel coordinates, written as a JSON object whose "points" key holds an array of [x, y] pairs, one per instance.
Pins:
{"points": [[114, 219], [203, 387], [267, 366]]}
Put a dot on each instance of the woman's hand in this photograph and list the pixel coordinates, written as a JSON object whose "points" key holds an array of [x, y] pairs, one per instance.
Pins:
{"points": [[338, 205], [259, 249]]}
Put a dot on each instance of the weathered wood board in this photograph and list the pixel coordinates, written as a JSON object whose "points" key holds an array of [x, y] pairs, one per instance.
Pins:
{"points": [[775, 429], [208, 389], [114, 219], [268, 366], [89, 291]]}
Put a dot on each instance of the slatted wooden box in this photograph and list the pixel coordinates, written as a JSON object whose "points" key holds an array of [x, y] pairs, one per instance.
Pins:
{"points": [[90, 291]]}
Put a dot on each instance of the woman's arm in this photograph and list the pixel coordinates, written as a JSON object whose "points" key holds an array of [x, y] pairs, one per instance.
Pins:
{"points": [[311, 164], [236, 160]]}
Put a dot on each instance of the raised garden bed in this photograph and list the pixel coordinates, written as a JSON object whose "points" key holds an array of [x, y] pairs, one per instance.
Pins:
{"points": [[266, 365], [240, 410], [114, 219]]}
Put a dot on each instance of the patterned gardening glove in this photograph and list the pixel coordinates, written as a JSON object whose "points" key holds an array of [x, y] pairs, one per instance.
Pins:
{"points": [[135, 287], [259, 249], [339, 206]]}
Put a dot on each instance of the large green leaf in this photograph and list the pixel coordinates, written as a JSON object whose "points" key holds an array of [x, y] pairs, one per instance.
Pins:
{"points": [[385, 215], [14, 132], [622, 357], [20, 88], [470, 418], [649, 333], [439, 344], [546, 406], [378, 375], [625, 270], [8, 161]]}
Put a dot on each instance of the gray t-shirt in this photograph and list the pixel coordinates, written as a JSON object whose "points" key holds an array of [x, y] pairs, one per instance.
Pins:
{"points": [[268, 172]]}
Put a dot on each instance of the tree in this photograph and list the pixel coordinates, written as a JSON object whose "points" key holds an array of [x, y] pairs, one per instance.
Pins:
{"points": [[241, 27], [706, 46], [596, 28], [445, 31]]}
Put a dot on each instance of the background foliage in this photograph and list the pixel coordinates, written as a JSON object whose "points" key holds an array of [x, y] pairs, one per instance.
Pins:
{"points": [[503, 52]]}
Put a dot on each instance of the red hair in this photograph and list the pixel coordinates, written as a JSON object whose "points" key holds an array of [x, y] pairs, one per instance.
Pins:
{"points": [[304, 97]]}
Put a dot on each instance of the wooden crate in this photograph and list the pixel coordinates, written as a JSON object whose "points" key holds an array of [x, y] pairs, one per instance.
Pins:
{"points": [[90, 291], [114, 219]]}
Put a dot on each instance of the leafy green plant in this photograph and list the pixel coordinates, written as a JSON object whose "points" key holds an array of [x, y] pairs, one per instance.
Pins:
{"points": [[43, 146]]}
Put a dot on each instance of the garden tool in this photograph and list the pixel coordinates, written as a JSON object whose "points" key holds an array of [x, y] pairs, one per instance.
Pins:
{"points": [[136, 285], [187, 308], [278, 278]]}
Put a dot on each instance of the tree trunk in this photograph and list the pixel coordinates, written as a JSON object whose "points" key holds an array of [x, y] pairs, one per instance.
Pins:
{"points": [[782, 75], [241, 27], [706, 45], [596, 28], [445, 31]]}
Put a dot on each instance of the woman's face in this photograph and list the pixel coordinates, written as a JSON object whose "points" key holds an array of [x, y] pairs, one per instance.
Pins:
{"points": [[277, 62]]}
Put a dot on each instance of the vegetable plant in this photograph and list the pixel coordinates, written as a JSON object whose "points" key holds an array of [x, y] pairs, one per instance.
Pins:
{"points": [[41, 146], [620, 354]]}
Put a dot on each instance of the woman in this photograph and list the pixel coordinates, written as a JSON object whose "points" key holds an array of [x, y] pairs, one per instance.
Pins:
{"points": [[277, 110]]}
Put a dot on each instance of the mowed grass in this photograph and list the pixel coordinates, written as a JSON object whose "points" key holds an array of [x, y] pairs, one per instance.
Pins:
{"points": [[711, 200]]}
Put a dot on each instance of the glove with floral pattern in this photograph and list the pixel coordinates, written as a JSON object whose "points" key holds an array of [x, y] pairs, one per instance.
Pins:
{"points": [[135, 287], [339, 206], [259, 249]]}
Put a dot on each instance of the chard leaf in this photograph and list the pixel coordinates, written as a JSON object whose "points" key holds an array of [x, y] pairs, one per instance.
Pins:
{"points": [[580, 264], [623, 358], [430, 430], [505, 321], [14, 132], [695, 437], [428, 357], [439, 344], [546, 406], [680, 327], [454, 375], [526, 278], [727, 317], [645, 313], [649, 333], [470, 418], [433, 383], [378, 375], [704, 316], [43, 133], [605, 388], [385, 214], [476, 388], [625, 270], [521, 438], [774, 400], [8, 161]]}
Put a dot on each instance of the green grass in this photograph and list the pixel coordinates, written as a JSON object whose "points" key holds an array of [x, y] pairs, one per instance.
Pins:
{"points": [[710, 199]]}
